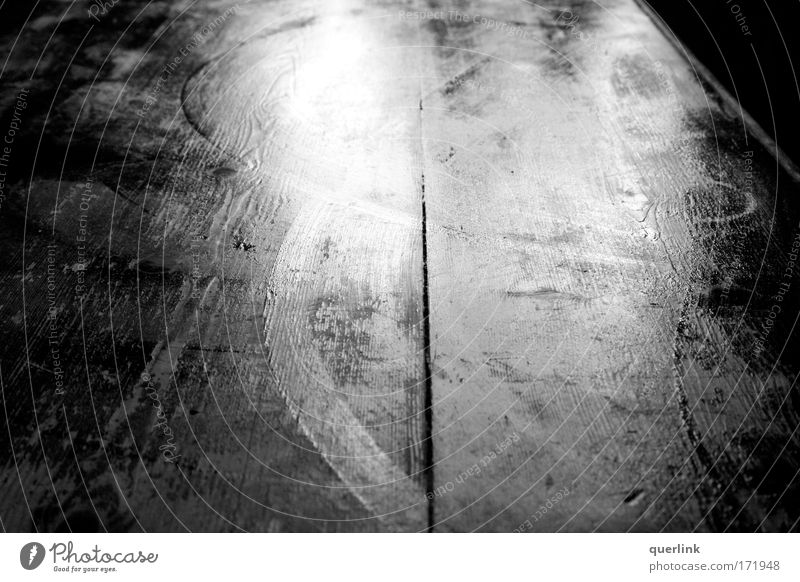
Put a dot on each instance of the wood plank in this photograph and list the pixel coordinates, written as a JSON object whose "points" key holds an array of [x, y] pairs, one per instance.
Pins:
{"points": [[585, 195], [272, 201]]}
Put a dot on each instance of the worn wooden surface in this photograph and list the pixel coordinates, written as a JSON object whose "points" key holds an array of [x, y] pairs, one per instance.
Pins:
{"points": [[389, 266]]}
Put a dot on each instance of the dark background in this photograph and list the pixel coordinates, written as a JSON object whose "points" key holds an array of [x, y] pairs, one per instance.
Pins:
{"points": [[756, 69]]}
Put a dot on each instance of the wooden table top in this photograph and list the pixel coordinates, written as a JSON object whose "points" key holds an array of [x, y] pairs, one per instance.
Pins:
{"points": [[374, 265]]}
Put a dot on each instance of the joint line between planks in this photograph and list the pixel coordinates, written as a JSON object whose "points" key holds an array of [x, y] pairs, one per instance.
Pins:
{"points": [[426, 327]]}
